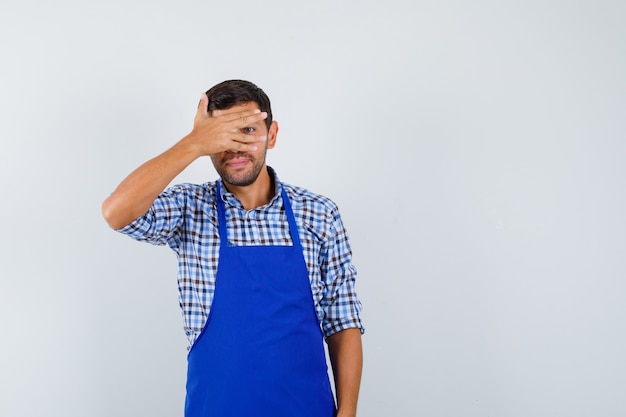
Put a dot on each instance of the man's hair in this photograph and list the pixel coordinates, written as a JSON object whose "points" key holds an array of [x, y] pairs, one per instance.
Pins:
{"points": [[231, 92]]}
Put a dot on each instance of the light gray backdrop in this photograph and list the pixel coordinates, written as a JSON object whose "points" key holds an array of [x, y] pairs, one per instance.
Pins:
{"points": [[476, 151]]}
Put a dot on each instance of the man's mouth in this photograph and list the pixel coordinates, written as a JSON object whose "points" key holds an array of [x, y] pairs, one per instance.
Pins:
{"points": [[237, 161]]}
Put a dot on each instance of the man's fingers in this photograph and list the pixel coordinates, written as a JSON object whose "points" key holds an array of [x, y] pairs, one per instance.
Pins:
{"points": [[257, 117], [239, 119], [246, 143], [244, 138], [249, 145], [243, 147], [245, 118]]}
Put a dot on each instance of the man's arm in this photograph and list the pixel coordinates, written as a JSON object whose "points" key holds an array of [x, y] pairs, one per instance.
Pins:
{"points": [[210, 135], [346, 357]]}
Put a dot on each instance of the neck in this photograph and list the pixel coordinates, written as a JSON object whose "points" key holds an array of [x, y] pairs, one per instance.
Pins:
{"points": [[257, 194]]}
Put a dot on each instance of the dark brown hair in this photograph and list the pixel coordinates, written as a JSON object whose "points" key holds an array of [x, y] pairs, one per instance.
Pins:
{"points": [[231, 92]]}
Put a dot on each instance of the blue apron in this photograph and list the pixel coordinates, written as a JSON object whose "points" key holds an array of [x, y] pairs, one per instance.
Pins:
{"points": [[261, 351]]}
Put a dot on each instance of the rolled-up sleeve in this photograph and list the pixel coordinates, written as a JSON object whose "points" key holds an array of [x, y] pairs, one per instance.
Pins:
{"points": [[342, 307], [161, 223]]}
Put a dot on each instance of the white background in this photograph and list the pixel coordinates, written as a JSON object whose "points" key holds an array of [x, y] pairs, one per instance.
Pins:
{"points": [[476, 151]]}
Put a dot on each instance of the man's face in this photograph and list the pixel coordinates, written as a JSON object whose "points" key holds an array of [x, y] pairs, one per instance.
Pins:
{"points": [[243, 168]]}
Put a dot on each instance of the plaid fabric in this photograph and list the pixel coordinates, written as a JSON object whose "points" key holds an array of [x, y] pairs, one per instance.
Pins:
{"points": [[185, 218]]}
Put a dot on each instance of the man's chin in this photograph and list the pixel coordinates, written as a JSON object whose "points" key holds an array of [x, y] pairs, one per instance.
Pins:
{"points": [[238, 182], [239, 179], [241, 176]]}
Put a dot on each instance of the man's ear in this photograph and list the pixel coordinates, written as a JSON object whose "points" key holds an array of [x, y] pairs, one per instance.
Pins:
{"points": [[271, 135]]}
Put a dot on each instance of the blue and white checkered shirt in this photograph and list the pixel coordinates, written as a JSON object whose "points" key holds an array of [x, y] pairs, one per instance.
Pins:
{"points": [[185, 217]]}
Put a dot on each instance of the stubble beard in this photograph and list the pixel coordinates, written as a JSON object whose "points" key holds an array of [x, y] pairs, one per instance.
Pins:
{"points": [[241, 178]]}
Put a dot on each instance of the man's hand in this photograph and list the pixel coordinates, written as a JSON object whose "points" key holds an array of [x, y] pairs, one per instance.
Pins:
{"points": [[219, 132], [211, 134]]}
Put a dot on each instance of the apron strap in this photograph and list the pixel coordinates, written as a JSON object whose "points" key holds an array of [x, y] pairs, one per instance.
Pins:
{"points": [[221, 214]]}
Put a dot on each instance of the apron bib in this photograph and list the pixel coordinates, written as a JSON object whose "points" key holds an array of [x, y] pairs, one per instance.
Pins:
{"points": [[261, 351]]}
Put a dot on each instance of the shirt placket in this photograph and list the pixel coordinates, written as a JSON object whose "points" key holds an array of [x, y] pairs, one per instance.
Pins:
{"points": [[253, 237]]}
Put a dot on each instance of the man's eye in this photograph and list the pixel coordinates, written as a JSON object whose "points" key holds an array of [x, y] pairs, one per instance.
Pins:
{"points": [[248, 130]]}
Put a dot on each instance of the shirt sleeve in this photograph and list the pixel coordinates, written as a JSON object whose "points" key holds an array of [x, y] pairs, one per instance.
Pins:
{"points": [[342, 307], [162, 222]]}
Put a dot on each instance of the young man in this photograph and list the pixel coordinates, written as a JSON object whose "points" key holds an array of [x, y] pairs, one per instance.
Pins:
{"points": [[264, 268]]}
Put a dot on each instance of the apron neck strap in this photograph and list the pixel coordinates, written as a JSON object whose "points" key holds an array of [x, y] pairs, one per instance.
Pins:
{"points": [[221, 214]]}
